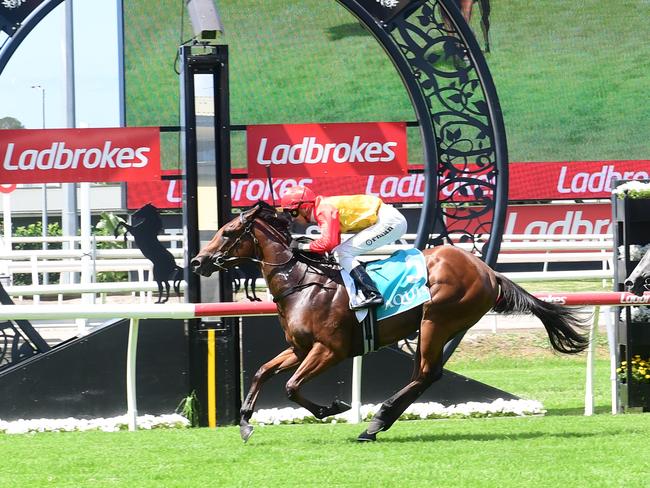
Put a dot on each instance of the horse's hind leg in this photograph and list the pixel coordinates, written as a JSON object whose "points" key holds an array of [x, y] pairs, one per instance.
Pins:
{"points": [[319, 359], [285, 360], [166, 283], [427, 369]]}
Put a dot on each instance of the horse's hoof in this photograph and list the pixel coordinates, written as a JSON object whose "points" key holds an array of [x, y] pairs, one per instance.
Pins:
{"points": [[339, 406], [246, 431], [335, 408], [365, 437]]}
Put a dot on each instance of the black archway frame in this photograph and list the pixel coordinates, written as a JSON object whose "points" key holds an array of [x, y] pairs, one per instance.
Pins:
{"points": [[456, 106], [460, 120], [18, 339], [22, 31]]}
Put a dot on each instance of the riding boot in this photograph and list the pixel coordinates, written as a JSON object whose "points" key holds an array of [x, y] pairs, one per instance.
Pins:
{"points": [[367, 287]]}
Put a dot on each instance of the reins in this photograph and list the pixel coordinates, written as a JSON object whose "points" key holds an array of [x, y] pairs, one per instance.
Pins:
{"points": [[224, 257], [247, 232]]}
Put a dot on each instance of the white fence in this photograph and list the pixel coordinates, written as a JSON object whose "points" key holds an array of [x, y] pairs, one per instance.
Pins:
{"points": [[182, 311], [515, 248]]}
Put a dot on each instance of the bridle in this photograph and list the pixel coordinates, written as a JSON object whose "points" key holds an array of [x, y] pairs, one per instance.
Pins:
{"points": [[225, 256]]}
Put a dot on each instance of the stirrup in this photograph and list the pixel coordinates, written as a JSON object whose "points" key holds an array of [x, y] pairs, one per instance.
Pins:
{"points": [[373, 301]]}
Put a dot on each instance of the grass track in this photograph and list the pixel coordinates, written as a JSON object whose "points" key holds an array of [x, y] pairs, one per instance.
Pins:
{"points": [[568, 451], [563, 448]]}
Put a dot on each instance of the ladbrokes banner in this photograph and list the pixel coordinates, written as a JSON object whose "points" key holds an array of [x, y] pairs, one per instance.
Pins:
{"points": [[320, 150], [528, 181], [76, 155]]}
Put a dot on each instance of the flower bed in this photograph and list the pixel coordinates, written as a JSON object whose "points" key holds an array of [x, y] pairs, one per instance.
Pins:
{"points": [[640, 370], [114, 424], [632, 189], [417, 411], [276, 416]]}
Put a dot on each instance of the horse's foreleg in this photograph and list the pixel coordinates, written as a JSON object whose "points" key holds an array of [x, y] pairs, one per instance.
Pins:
{"points": [[427, 369], [318, 360], [466, 9], [160, 291], [285, 360]]}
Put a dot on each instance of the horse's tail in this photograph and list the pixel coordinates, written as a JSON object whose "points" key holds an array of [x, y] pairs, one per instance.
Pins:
{"points": [[565, 329]]}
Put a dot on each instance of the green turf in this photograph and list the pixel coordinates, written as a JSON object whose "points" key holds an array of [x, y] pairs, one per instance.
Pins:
{"points": [[571, 76], [563, 448], [569, 451]]}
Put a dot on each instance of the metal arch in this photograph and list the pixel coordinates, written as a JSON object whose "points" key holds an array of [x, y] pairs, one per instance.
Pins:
{"points": [[12, 43], [13, 345], [460, 119]]}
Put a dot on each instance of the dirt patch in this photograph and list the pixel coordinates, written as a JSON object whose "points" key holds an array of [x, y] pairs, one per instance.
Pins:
{"points": [[527, 343]]}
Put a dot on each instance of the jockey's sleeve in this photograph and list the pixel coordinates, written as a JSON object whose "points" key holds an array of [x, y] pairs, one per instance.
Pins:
{"points": [[327, 217]]}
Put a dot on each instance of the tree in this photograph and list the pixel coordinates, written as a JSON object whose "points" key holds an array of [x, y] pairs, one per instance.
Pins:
{"points": [[10, 123]]}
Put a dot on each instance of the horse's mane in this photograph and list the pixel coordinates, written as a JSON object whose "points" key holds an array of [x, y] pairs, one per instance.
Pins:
{"points": [[281, 222], [271, 216]]}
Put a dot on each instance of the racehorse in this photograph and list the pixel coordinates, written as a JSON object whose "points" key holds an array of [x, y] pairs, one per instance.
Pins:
{"points": [[639, 280], [321, 330]]}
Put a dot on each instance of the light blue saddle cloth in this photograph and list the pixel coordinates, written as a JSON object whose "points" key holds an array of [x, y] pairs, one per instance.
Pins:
{"points": [[401, 279]]}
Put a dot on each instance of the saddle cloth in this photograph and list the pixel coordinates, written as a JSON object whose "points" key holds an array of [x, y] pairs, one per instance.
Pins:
{"points": [[402, 280]]}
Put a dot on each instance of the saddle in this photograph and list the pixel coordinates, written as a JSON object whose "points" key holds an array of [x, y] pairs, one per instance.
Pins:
{"points": [[402, 280]]}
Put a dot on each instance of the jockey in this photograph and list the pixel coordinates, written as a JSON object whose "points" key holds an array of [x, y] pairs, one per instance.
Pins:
{"points": [[373, 223]]}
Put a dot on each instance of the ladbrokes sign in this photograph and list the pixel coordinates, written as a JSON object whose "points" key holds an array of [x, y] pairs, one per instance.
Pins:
{"points": [[319, 150], [75, 155]]}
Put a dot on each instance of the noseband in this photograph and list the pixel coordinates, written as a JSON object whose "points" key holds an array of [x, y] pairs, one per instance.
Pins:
{"points": [[225, 257]]}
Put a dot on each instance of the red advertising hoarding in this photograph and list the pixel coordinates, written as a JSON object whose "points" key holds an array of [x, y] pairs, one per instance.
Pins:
{"points": [[327, 150], [566, 218], [76, 155], [528, 181], [569, 218]]}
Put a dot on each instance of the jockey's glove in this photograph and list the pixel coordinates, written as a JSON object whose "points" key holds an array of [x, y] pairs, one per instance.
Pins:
{"points": [[299, 246]]}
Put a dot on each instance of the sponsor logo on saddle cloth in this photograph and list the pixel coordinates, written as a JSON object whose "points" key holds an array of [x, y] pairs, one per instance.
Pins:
{"points": [[402, 281]]}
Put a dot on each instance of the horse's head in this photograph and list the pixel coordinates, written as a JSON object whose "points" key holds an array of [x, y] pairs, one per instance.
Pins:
{"points": [[639, 280], [237, 239]]}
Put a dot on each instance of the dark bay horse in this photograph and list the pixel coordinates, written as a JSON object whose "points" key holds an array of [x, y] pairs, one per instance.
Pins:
{"points": [[321, 330]]}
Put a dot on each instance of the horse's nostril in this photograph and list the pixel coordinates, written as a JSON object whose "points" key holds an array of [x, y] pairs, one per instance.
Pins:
{"points": [[195, 264], [629, 283]]}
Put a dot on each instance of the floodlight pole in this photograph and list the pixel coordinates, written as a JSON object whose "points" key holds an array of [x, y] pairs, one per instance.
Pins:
{"points": [[44, 212], [69, 211]]}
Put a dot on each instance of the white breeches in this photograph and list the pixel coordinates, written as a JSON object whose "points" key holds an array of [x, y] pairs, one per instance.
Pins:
{"points": [[390, 226]]}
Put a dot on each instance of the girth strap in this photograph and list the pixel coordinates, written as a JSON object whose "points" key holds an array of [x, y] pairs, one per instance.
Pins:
{"points": [[370, 332]]}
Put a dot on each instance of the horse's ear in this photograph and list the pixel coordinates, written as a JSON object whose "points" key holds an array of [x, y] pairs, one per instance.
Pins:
{"points": [[265, 206], [251, 212]]}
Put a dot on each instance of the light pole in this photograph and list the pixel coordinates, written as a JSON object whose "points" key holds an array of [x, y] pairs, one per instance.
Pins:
{"points": [[44, 192]]}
